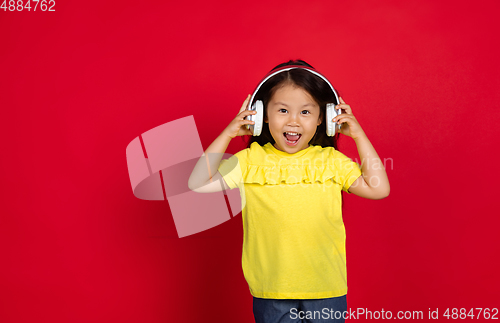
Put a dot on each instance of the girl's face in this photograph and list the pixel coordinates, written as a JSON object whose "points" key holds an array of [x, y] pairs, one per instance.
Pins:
{"points": [[293, 118]]}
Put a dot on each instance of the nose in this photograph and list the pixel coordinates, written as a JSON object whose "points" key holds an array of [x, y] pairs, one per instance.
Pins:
{"points": [[293, 120]]}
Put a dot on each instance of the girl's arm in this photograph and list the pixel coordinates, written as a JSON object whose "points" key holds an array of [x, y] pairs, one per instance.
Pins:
{"points": [[373, 183], [205, 177]]}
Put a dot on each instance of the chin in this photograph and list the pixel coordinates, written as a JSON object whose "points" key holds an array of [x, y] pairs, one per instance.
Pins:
{"points": [[293, 147]]}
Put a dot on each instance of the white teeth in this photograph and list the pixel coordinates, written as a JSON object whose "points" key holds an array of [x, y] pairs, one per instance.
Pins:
{"points": [[292, 133]]}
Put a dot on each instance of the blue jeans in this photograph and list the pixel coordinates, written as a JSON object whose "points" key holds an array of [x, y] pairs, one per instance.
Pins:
{"points": [[299, 310]]}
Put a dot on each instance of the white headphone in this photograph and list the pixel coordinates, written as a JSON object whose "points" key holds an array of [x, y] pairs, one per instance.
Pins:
{"points": [[258, 118]]}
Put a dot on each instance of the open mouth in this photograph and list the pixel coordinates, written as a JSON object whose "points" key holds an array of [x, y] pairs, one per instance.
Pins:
{"points": [[292, 138]]}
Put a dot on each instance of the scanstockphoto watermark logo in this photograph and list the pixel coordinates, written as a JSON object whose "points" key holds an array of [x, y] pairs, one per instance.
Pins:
{"points": [[340, 161], [321, 171], [474, 313], [355, 314], [387, 163], [162, 169]]}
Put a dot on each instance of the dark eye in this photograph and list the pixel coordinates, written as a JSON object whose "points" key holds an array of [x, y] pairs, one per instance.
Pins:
{"points": [[280, 110], [306, 112]]}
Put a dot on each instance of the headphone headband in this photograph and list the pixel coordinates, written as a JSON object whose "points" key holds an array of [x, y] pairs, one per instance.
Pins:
{"points": [[331, 127], [287, 68]]}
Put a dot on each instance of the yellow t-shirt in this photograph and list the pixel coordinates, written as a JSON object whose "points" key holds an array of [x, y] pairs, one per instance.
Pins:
{"points": [[294, 236]]}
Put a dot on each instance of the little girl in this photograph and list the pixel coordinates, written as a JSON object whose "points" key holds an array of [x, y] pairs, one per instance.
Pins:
{"points": [[290, 178]]}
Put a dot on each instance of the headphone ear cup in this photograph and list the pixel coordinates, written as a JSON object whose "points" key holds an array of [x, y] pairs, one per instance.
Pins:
{"points": [[331, 127], [330, 114], [259, 118]]}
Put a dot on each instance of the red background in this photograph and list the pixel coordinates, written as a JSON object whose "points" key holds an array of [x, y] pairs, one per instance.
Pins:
{"points": [[78, 84]]}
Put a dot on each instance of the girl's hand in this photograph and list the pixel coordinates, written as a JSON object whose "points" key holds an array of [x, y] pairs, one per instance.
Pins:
{"points": [[237, 127], [350, 126]]}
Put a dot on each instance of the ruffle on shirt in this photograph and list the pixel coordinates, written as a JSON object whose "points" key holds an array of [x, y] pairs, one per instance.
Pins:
{"points": [[288, 174]]}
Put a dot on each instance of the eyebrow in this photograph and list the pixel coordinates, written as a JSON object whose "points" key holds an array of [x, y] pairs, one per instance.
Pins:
{"points": [[305, 105]]}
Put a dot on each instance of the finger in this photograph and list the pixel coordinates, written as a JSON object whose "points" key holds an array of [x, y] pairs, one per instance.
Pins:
{"points": [[244, 114], [244, 128], [341, 118], [245, 104], [341, 100], [342, 122], [244, 122], [345, 107]]}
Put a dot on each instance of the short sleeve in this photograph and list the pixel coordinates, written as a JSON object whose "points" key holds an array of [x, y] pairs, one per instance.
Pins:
{"points": [[232, 169], [347, 171]]}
